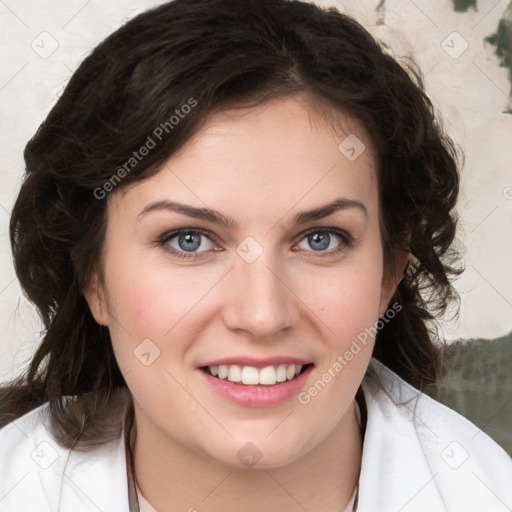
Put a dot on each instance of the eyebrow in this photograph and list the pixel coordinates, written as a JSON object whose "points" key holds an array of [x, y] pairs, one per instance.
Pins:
{"points": [[214, 217]]}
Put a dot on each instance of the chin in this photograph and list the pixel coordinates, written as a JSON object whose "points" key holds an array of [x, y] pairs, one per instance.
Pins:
{"points": [[254, 455]]}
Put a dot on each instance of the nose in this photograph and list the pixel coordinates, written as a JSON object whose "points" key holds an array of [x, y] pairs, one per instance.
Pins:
{"points": [[261, 299]]}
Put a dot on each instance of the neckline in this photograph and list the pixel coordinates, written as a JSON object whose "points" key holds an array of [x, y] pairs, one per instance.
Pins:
{"points": [[135, 497]]}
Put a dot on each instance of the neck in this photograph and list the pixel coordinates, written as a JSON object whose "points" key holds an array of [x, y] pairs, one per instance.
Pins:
{"points": [[174, 477]]}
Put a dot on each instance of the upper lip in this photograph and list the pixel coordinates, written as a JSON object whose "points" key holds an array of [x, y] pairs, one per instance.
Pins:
{"points": [[256, 362]]}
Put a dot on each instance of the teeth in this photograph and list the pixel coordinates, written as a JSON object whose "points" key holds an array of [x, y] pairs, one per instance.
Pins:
{"points": [[267, 376], [223, 371], [235, 373], [281, 373], [251, 376]]}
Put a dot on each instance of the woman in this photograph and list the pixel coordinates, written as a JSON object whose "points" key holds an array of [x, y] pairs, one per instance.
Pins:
{"points": [[236, 223]]}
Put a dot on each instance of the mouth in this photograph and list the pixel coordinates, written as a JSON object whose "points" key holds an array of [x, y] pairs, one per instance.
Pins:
{"points": [[268, 376]]}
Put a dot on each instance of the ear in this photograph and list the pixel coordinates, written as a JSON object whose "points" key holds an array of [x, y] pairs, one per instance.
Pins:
{"points": [[391, 280], [95, 296]]}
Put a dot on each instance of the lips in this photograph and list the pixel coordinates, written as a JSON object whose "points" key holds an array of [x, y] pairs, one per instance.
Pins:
{"points": [[257, 362], [266, 394]]}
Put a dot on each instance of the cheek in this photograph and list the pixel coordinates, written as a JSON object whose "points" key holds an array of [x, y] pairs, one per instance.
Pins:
{"points": [[348, 302], [157, 303], [347, 312], [135, 303], [152, 299]]}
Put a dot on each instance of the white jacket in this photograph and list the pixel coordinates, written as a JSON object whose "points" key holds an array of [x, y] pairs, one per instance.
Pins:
{"points": [[419, 456]]}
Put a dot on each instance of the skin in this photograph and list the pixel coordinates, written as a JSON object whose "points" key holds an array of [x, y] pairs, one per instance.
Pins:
{"points": [[260, 166]]}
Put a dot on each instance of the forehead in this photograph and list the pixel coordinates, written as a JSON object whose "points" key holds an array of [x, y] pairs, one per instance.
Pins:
{"points": [[267, 158]]}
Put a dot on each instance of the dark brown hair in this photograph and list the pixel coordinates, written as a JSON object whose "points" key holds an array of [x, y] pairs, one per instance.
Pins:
{"points": [[218, 54]]}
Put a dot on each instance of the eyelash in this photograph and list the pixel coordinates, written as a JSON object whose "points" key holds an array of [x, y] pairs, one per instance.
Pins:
{"points": [[347, 241]]}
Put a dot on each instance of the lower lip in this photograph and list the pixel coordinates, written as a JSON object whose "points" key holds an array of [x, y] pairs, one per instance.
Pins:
{"points": [[257, 396]]}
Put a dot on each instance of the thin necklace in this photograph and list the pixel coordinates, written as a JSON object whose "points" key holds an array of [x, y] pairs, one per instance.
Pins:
{"points": [[133, 499]]}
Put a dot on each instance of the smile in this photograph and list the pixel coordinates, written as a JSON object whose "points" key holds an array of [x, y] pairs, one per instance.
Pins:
{"points": [[252, 376]]}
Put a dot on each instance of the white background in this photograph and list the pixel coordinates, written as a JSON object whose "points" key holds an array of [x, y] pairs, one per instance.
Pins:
{"points": [[42, 42]]}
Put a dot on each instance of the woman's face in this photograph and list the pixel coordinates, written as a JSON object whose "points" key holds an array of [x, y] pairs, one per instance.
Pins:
{"points": [[265, 285]]}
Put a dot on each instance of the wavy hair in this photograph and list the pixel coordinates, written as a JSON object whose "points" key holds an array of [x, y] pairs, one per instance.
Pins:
{"points": [[221, 54]]}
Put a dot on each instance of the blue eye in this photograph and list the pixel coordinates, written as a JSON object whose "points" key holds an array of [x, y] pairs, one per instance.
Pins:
{"points": [[320, 239], [190, 243], [187, 240]]}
